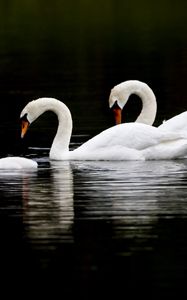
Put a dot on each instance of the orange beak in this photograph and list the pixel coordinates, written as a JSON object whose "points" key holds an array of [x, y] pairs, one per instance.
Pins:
{"points": [[24, 127], [117, 114]]}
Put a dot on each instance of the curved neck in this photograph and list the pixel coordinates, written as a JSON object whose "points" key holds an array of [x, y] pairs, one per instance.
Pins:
{"points": [[61, 141], [62, 138], [149, 105], [122, 92]]}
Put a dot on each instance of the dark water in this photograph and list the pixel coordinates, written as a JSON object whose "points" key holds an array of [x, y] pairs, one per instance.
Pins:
{"points": [[94, 229], [91, 229]]}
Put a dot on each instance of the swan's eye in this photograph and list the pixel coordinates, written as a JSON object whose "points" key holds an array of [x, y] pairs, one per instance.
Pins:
{"points": [[115, 105], [24, 118]]}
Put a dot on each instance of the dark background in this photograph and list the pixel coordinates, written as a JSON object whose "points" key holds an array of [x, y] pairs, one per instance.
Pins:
{"points": [[77, 51]]}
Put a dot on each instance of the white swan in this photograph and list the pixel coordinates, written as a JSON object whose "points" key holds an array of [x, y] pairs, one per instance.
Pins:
{"points": [[16, 162], [121, 142], [120, 94]]}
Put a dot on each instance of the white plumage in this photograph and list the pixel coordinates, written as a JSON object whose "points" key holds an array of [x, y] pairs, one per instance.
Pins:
{"points": [[122, 142], [16, 162]]}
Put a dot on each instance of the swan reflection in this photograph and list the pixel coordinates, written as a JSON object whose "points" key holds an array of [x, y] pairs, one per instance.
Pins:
{"points": [[50, 210], [132, 195], [46, 197], [126, 198]]}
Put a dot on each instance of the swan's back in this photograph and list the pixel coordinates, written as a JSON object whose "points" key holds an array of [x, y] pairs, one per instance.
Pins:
{"points": [[17, 163], [178, 123], [131, 135]]}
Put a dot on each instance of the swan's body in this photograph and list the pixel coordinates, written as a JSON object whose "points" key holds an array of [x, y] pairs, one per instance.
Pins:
{"points": [[17, 163], [121, 142], [120, 94], [177, 123]]}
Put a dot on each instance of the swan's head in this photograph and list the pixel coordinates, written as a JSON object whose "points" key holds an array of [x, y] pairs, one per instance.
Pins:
{"points": [[37, 107], [32, 111], [120, 94], [118, 98], [27, 116]]}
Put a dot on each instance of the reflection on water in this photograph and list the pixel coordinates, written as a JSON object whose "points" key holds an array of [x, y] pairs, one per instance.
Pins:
{"points": [[50, 205], [104, 226]]}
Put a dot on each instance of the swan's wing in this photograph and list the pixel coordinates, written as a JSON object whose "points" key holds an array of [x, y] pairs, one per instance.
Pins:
{"points": [[166, 150], [130, 135], [111, 153], [133, 141], [176, 123]]}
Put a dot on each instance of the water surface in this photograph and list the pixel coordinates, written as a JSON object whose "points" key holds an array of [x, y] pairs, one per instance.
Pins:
{"points": [[95, 228]]}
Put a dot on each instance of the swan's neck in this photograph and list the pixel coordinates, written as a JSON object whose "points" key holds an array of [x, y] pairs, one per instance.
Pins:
{"points": [[60, 145], [149, 105], [122, 92]]}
